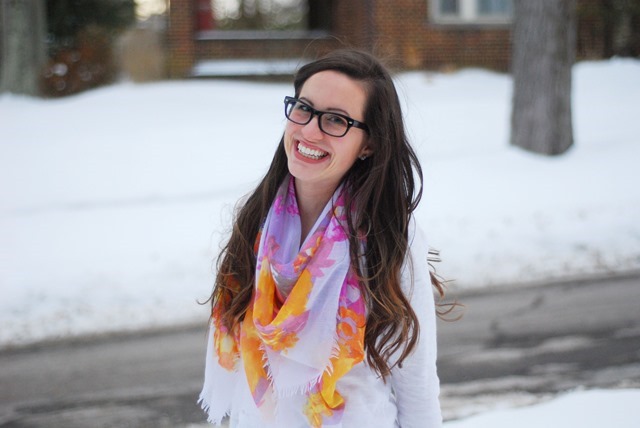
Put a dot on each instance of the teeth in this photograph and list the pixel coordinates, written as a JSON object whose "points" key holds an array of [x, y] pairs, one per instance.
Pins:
{"points": [[310, 153]]}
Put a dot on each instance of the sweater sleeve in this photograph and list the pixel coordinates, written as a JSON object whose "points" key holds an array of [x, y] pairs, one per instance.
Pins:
{"points": [[416, 385]]}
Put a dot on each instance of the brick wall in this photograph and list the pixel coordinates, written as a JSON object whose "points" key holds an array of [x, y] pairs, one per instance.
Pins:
{"points": [[352, 22], [405, 34], [263, 48], [181, 37], [397, 30]]}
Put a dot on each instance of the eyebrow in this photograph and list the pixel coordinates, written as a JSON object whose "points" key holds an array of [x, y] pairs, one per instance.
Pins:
{"points": [[331, 109]]}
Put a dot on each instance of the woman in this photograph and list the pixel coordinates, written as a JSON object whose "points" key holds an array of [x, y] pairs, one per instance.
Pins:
{"points": [[323, 311]]}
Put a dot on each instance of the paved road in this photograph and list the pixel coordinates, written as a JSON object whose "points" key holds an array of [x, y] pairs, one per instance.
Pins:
{"points": [[515, 344]]}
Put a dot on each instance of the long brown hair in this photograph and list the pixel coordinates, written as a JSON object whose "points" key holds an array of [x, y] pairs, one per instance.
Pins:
{"points": [[384, 191]]}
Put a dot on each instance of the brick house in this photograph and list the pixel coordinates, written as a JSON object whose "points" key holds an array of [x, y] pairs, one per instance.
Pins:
{"points": [[410, 34]]}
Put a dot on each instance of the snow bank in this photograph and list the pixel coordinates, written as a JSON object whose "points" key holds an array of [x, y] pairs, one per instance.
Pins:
{"points": [[113, 202], [586, 409]]}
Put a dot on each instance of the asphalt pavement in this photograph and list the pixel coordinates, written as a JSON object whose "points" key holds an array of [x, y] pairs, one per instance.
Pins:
{"points": [[519, 344]]}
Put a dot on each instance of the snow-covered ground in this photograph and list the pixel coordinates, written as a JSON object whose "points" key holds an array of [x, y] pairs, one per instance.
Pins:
{"points": [[584, 409], [113, 202]]}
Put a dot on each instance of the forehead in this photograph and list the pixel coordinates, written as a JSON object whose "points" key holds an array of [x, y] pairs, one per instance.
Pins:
{"points": [[332, 90]]}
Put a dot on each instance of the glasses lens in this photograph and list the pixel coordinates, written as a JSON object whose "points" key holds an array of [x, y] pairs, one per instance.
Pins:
{"points": [[334, 125], [298, 112]]}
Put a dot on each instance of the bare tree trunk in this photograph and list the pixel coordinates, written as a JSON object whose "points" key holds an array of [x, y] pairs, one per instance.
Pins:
{"points": [[543, 53], [23, 48]]}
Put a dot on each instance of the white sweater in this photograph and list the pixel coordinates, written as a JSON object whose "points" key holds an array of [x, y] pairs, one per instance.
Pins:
{"points": [[408, 399]]}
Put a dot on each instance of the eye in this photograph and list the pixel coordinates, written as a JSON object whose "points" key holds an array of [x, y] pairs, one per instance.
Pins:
{"points": [[302, 107], [335, 120]]}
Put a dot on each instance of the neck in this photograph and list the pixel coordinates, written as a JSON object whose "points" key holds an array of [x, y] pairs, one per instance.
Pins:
{"points": [[311, 201]]}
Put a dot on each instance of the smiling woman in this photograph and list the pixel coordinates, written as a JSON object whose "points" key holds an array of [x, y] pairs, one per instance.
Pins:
{"points": [[323, 311], [317, 159]]}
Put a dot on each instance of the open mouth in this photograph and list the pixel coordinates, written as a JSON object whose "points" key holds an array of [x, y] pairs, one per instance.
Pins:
{"points": [[310, 153]]}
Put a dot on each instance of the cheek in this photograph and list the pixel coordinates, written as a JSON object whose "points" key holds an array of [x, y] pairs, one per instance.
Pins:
{"points": [[349, 156], [289, 130], [287, 136], [355, 147]]}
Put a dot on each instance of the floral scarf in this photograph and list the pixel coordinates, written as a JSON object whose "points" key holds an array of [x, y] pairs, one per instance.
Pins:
{"points": [[304, 328]]}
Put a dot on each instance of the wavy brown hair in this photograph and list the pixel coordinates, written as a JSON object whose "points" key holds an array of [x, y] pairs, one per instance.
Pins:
{"points": [[384, 191]]}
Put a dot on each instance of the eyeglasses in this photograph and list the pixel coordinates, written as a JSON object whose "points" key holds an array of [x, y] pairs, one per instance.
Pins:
{"points": [[334, 124]]}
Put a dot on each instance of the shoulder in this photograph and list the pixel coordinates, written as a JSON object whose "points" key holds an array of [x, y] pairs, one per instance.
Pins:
{"points": [[417, 240]]}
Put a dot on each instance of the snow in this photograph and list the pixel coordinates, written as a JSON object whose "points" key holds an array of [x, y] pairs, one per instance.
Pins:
{"points": [[584, 409], [115, 201], [210, 68]]}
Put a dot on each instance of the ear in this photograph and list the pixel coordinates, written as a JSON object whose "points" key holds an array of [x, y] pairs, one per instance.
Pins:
{"points": [[366, 150]]}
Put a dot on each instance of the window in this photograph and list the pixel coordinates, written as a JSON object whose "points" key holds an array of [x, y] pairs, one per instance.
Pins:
{"points": [[267, 15], [461, 12]]}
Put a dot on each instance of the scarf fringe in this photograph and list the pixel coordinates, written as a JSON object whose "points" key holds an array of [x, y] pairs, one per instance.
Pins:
{"points": [[215, 419], [305, 388], [297, 389], [216, 406]]}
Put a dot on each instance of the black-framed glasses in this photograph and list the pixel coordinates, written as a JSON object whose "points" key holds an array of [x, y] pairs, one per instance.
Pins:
{"points": [[334, 124]]}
